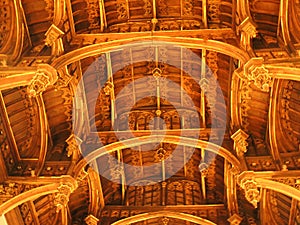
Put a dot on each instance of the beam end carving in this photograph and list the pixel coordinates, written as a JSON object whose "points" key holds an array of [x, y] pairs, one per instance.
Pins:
{"points": [[45, 76]]}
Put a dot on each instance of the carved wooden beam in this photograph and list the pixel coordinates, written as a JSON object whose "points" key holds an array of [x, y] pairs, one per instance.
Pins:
{"points": [[263, 73], [62, 186], [285, 182], [37, 78], [293, 212]]}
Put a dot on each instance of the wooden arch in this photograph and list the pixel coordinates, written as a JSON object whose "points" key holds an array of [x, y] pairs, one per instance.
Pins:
{"points": [[172, 139], [170, 214], [97, 49], [50, 185]]}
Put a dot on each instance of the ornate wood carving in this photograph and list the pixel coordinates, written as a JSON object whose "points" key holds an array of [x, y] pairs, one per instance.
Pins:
{"points": [[44, 77], [240, 142], [91, 220], [252, 192], [235, 219], [61, 198]]}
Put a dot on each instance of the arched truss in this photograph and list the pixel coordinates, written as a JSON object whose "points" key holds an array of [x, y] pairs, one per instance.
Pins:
{"points": [[129, 143], [97, 49], [170, 214]]}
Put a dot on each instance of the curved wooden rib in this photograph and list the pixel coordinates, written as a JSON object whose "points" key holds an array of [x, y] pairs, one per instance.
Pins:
{"points": [[170, 214], [243, 9], [284, 22], [43, 133], [59, 11], [197, 43], [20, 31], [129, 143], [15, 40], [272, 121]]}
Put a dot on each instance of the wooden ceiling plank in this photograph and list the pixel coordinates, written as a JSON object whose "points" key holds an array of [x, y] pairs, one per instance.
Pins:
{"points": [[293, 212]]}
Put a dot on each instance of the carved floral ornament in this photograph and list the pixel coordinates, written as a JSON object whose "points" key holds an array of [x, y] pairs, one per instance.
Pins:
{"points": [[254, 70], [45, 76], [252, 192], [61, 198]]}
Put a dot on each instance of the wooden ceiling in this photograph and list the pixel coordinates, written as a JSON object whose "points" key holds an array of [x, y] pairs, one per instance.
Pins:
{"points": [[78, 75]]}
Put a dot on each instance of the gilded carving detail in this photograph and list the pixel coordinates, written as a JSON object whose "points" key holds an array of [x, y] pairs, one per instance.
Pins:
{"points": [[50, 7], [286, 111], [254, 70], [252, 192], [290, 181], [165, 221], [61, 197], [213, 11], [147, 7], [240, 142], [122, 10], [9, 190], [188, 6], [235, 219], [248, 27], [93, 13], [261, 77], [73, 147], [52, 35], [91, 220], [44, 77], [5, 21]]}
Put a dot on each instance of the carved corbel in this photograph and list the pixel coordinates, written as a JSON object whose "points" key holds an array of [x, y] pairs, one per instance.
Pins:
{"points": [[240, 142], [45, 76], [250, 187], [73, 148], [248, 31], [254, 70], [54, 40], [91, 220], [235, 219], [61, 197]]}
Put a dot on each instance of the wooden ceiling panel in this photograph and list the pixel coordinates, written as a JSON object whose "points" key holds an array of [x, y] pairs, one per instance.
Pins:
{"points": [[22, 111]]}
